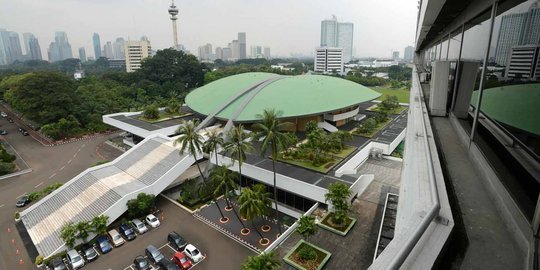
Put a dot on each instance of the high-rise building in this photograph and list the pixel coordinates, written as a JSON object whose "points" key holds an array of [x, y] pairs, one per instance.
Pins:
{"points": [[523, 62], [118, 48], [329, 60], [206, 52], [60, 49], [108, 50], [267, 53], [408, 54], [395, 55], [337, 34], [97, 45], [235, 49], [242, 45], [226, 53], [517, 29], [173, 11], [256, 52], [31, 47], [4, 47], [219, 53], [136, 51], [82, 54], [15, 45]]}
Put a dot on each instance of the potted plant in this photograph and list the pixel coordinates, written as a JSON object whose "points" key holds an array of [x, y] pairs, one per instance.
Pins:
{"points": [[39, 260], [17, 216]]}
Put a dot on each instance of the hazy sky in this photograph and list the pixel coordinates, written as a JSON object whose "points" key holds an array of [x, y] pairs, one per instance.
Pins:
{"points": [[286, 26]]}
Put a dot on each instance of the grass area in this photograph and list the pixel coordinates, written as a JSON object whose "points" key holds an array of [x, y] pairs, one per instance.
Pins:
{"points": [[345, 152], [399, 110], [293, 257], [163, 116], [307, 164], [401, 93], [378, 128]]}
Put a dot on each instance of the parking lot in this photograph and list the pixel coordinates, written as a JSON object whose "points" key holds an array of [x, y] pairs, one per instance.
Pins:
{"points": [[168, 252], [219, 250]]}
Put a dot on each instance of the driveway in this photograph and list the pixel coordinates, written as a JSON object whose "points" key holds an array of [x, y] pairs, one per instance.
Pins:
{"points": [[221, 251]]}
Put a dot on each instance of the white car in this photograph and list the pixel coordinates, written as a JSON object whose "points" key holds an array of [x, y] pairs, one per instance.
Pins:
{"points": [[153, 221], [3, 114], [193, 253], [116, 238], [139, 226]]}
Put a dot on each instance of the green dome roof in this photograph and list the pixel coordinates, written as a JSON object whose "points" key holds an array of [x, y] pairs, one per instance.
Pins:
{"points": [[292, 95]]}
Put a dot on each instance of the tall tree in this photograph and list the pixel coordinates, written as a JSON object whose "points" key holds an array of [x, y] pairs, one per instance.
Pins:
{"points": [[68, 234], [253, 204], [190, 140], [271, 130], [264, 261], [213, 141], [226, 182], [238, 145]]}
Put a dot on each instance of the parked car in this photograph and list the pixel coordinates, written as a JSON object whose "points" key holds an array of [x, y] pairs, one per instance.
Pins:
{"points": [[57, 264], [116, 238], [75, 259], [127, 232], [141, 263], [23, 201], [3, 132], [193, 253], [3, 114], [89, 253], [176, 241], [23, 131], [153, 221], [139, 226], [103, 244], [167, 264], [181, 260], [10, 120], [153, 254]]}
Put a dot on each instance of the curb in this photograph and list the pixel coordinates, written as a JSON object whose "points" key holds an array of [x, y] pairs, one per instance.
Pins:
{"points": [[15, 174]]}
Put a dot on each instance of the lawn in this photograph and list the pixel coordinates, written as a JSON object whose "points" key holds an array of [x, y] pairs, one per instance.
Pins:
{"points": [[402, 93], [163, 116], [399, 110], [378, 128], [336, 158]]}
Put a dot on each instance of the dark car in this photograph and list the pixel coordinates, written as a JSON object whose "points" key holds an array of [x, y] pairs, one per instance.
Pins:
{"points": [[103, 244], [176, 241], [167, 264], [57, 264], [23, 201], [89, 253], [153, 254], [127, 232], [23, 131], [3, 132], [141, 263], [10, 120]]}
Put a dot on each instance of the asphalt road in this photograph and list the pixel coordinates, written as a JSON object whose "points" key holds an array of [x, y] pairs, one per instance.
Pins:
{"points": [[50, 164], [221, 251]]}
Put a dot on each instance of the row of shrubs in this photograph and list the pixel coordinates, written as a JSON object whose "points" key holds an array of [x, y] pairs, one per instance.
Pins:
{"points": [[194, 192], [6, 161], [37, 195]]}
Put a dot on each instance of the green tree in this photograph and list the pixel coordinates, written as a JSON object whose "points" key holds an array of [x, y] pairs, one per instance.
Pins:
{"points": [[142, 205], [367, 126], [226, 182], [68, 234], [389, 104], [306, 227], [190, 140], [171, 65], [151, 112], [83, 230], [213, 141], [238, 145], [254, 202], [173, 106], [271, 130], [99, 224], [311, 126], [264, 261], [338, 195]]}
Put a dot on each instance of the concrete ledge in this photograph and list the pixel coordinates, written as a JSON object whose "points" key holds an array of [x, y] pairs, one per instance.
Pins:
{"points": [[15, 174], [297, 266]]}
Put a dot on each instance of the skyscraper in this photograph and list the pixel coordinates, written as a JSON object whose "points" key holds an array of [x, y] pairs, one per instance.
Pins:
{"points": [[31, 46], [219, 53], [408, 53], [15, 45], [108, 50], [235, 49], [395, 56], [60, 49], [336, 34], [517, 29], [136, 51], [205, 52], [256, 52], [267, 52], [173, 11], [4, 46], [226, 53], [242, 45], [82, 54], [118, 48], [97, 45]]}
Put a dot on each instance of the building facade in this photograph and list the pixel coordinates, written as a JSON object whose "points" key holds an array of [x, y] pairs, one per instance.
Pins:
{"points": [[136, 51], [82, 54], [338, 34], [242, 50], [206, 52], [395, 56], [267, 54], [31, 45], [328, 60], [97, 45], [408, 54], [60, 49], [523, 63], [118, 48]]}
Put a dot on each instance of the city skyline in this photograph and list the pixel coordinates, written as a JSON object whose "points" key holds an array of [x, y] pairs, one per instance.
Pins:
{"points": [[199, 24]]}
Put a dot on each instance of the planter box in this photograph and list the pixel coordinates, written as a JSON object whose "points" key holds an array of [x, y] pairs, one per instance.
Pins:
{"points": [[341, 231], [321, 261]]}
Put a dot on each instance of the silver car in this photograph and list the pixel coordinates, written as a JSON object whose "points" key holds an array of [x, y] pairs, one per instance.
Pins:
{"points": [[75, 259], [139, 226]]}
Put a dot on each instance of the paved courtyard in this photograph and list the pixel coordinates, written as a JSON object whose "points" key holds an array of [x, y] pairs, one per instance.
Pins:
{"points": [[232, 228], [355, 251]]}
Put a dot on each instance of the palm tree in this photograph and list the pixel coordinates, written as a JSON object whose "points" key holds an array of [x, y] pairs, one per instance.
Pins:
{"points": [[99, 224], [271, 131], [306, 227], [83, 228], [265, 261], [215, 178], [252, 205], [190, 140], [225, 180], [239, 146], [67, 233], [213, 141]]}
